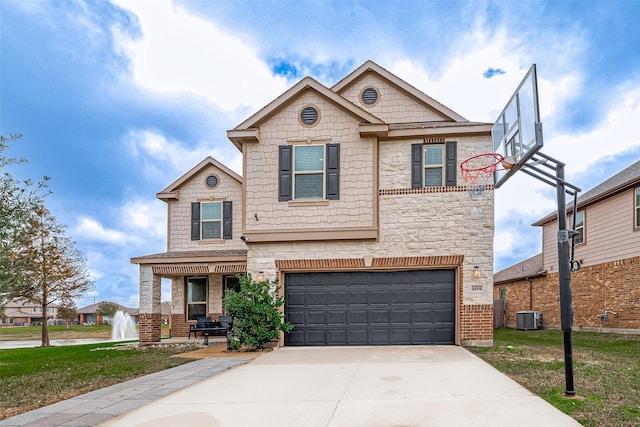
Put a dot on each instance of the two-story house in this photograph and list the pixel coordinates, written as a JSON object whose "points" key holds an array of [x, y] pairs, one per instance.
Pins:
{"points": [[351, 197], [25, 313], [606, 290]]}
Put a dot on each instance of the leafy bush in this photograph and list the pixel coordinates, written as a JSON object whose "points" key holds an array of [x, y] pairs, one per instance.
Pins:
{"points": [[255, 308]]}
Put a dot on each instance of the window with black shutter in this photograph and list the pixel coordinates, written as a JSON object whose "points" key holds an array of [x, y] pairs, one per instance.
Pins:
{"points": [[211, 220], [433, 165], [309, 172]]}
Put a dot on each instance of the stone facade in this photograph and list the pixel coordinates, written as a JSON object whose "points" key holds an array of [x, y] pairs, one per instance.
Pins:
{"points": [[610, 287]]}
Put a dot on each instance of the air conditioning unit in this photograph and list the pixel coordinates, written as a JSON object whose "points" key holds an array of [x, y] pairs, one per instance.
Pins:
{"points": [[528, 319]]}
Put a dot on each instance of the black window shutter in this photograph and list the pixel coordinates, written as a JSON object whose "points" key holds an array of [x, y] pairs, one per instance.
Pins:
{"points": [[416, 165], [333, 171], [227, 220], [195, 221], [284, 177], [451, 163]]}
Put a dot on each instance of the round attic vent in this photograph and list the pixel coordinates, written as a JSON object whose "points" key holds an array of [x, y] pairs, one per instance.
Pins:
{"points": [[369, 96], [212, 181], [309, 115]]}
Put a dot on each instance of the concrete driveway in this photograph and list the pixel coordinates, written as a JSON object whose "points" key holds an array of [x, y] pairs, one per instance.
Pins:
{"points": [[353, 387]]}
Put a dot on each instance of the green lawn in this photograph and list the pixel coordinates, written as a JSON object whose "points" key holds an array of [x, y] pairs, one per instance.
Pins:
{"points": [[606, 372], [34, 377], [21, 333]]}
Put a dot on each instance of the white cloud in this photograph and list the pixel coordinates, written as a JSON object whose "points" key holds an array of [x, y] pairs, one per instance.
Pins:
{"points": [[181, 52], [165, 159], [91, 230]]}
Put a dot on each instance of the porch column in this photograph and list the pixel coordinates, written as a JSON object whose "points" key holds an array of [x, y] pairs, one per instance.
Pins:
{"points": [[150, 314]]}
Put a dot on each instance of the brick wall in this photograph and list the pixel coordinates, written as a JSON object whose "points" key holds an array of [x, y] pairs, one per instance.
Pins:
{"points": [[613, 286], [476, 324], [150, 327]]}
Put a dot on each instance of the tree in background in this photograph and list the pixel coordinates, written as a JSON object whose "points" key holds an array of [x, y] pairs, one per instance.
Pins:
{"points": [[257, 317], [53, 271], [67, 311], [107, 309], [18, 203]]}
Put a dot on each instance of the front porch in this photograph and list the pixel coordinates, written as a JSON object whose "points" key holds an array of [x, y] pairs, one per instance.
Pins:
{"points": [[198, 282]]}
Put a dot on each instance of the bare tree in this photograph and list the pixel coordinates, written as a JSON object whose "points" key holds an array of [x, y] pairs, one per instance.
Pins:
{"points": [[53, 271]]}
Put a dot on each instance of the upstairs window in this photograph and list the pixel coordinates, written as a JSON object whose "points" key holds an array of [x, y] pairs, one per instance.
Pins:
{"points": [[434, 165], [637, 208], [309, 172], [579, 238], [211, 220]]}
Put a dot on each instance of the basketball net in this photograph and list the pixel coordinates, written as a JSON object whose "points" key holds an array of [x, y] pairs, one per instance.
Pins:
{"points": [[476, 172]]}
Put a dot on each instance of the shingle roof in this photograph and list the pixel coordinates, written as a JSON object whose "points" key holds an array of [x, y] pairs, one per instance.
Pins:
{"points": [[627, 178], [527, 269]]}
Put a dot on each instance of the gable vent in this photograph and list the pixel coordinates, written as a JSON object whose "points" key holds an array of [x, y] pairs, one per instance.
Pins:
{"points": [[369, 96], [309, 115]]}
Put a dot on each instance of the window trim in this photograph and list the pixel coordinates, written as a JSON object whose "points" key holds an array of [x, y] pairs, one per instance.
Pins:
{"points": [[450, 165], [322, 171], [636, 209], [442, 165], [206, 295], [583, 228], [203, 221]]}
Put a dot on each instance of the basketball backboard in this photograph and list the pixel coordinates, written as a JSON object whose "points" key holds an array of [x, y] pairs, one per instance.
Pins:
{"points": [[517, 133]]}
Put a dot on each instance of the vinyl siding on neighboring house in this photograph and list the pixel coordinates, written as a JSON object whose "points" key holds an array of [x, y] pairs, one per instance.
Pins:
{"points": [[609, 233]]}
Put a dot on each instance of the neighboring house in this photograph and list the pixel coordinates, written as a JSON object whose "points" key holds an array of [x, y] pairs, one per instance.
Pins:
{"points": [[351, 197], [88, 316], [606, 290], [25, 313]]}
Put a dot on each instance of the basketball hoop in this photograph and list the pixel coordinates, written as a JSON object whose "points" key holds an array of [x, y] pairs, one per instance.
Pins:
{"points": [[477, 170]]}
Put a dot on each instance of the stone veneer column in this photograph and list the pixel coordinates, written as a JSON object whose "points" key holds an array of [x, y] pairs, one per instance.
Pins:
{"points": [[149, 314]]}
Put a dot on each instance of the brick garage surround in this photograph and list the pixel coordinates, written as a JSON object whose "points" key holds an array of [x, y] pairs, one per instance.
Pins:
{"points": [[613, 286], [474, 322], [150, 329]]}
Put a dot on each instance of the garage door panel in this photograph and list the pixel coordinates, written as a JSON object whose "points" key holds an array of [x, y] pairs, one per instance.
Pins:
{"points": [[337, 317], [370, 308], [295, 298], [316, 318], [400, 317], [378, 316], [357, 336], [336, 298], [378, 336], [358, 317], [401, 296], [357, 296], [316, 298]]}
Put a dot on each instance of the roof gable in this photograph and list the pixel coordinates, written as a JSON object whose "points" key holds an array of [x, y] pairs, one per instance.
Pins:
{"points": [[411, 91], [239, 133], [169, 192]]}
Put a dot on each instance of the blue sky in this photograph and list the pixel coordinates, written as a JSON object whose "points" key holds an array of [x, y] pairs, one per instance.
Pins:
{"points": [[117, 99]]}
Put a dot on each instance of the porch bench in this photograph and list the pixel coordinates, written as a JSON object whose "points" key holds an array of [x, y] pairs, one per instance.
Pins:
{"points": [[208, 328]]}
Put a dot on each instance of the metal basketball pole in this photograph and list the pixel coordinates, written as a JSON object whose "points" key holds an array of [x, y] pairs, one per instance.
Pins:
{"points": [[564, 257]]}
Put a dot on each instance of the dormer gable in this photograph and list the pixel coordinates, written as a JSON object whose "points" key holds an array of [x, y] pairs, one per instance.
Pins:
{"points": [[248, 131], [172, 191], [360, 88]]}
